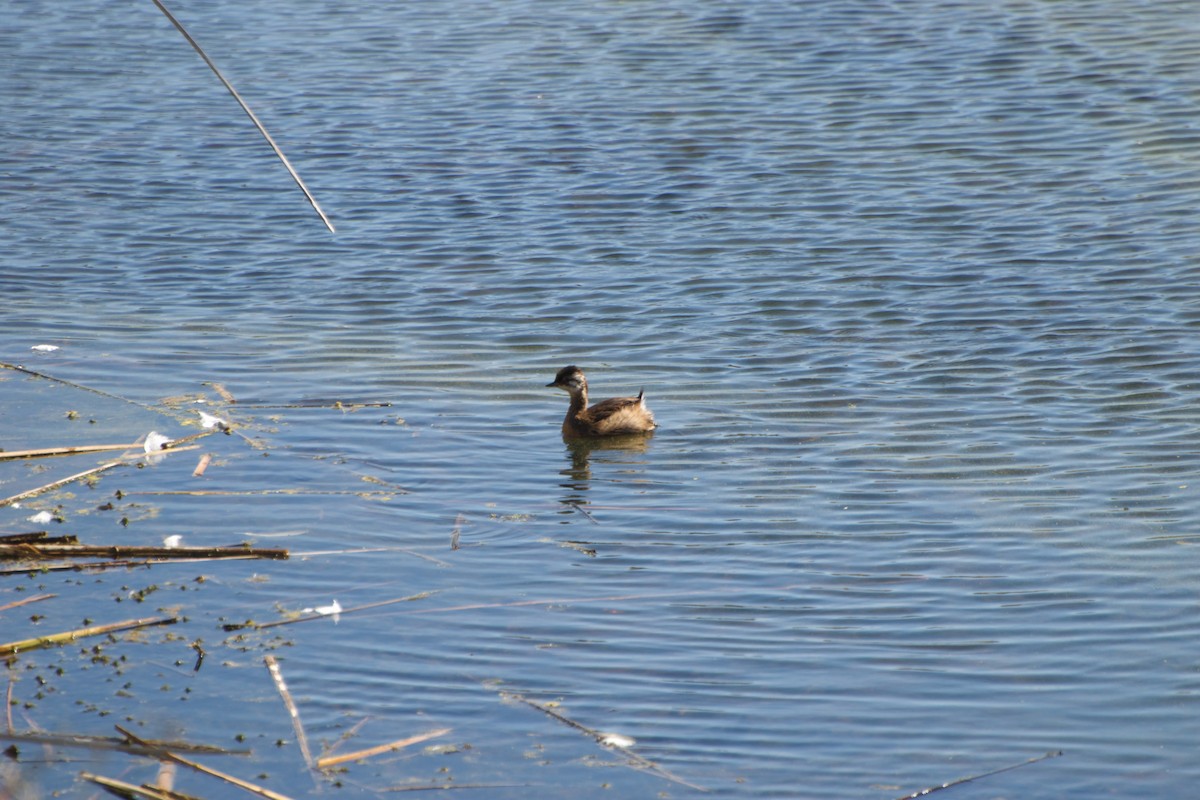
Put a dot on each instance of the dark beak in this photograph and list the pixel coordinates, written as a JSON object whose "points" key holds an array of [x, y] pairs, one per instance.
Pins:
{"points": [[551, 385]]}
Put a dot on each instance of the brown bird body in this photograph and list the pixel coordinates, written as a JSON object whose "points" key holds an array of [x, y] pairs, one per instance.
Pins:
{"points": [[617, 415]]}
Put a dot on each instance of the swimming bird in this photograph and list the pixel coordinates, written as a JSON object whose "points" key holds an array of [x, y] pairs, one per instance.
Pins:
{"points": [[616, 415]]}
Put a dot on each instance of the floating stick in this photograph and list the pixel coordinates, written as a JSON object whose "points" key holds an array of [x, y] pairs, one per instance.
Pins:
{"points": [[220, 389], [178, 759], [64, 451], [37, 550], [579, 507], [333, 761], [119, 564], [12, 648], [36, 536], [261, 129], [205, 460], [930, 790], [293, 712]]}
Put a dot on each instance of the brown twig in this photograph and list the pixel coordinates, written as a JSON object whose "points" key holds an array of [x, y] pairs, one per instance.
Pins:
{"points": [[333, 761], [293, 712], [12, 648]]}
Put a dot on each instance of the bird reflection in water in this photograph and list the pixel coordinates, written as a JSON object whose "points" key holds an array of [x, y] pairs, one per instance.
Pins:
{"points": [[612, 450]]}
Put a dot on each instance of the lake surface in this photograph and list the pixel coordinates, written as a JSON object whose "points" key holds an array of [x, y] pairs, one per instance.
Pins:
{"points": [[913, 290]]}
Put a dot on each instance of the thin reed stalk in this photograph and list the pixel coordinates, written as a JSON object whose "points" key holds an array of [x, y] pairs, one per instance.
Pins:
{"points": [[253, 117]]}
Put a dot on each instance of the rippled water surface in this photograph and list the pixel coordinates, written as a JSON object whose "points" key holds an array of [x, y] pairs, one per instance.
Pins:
{"points": [[912, 288]]}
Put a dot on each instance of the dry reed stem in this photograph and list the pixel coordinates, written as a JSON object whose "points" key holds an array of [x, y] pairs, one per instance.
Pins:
{"points": [[205, 460], [950, 784], [310, 617], [266, 492], [293, 712], [601, 738], [445, 787], [72, 384], [63, 451], [122, 563], [129, 790], [13, 648], [55, 484], [253, 118], [27, 601], [253, 788], [165, 779], [220, 389], [35, 550], [87, 473], [333, 761]]}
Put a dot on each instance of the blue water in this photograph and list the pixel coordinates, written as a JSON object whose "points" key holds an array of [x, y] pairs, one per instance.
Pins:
{"points": [[911, 288]]}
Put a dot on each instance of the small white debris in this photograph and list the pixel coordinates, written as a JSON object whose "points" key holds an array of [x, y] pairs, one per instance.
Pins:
{"points": [[155, 441], [41, 518], [171, 542], [617, 740], [44, 348], [332, 609], [209, 421]]}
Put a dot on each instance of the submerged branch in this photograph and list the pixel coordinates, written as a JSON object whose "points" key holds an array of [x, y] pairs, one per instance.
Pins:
{"points": [[930, 790]]}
